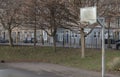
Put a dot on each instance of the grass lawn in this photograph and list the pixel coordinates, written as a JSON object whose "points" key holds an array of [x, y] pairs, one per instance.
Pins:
{"points": [[63, 56]]}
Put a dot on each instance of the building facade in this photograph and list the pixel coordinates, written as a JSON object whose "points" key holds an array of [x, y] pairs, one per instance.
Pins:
{"points": [[63, 36]]}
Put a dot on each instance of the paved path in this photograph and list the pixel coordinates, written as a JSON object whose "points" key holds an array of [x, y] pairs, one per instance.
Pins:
{"points": [[8, 71], [57, 69]]}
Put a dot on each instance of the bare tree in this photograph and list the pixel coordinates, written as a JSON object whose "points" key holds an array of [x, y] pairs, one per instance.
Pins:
{"points": [[10, 16], [31, 15], [55, 15], [113, 16]]}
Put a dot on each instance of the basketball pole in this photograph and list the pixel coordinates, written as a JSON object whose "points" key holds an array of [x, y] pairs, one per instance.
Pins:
{"points": [[89, 14], [103, 45]]}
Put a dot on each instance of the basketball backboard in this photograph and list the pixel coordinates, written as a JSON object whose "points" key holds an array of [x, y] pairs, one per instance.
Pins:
{"points": [[88, 15]]}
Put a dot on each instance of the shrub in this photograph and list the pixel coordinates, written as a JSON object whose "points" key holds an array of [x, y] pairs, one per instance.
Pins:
{"points": [[114, 64]]}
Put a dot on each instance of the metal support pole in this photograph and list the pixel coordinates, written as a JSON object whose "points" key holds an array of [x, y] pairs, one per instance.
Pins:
{"points": [[101, 22], [103, 53]]}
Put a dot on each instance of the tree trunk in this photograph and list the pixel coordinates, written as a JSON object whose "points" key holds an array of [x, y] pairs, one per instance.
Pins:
{"points": [[35, 36], [10, 38], [54, 43], [63, 41], [17, 37], [42, 40], [109, 45], [82, 44]]}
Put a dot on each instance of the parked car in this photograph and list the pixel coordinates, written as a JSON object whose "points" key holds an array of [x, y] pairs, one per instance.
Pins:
{"points": [[3, 41], [29, 40], [117, 44], [112, 41]]}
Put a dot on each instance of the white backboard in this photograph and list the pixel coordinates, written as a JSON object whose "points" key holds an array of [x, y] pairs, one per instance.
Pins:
{"points": [[88, 15]]}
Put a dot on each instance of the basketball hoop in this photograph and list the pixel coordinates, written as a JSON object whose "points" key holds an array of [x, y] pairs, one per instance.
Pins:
{"points": [[88, 15]]}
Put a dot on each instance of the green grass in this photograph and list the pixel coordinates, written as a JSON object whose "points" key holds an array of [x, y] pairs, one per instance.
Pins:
{"points": [[63, 56]]}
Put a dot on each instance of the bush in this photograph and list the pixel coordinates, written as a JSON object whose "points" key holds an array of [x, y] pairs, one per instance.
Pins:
{"points": [[114, 64]]}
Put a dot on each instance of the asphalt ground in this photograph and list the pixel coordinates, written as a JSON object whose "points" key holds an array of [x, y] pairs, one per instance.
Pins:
{"points": [[8, 71], [53, 70]]}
